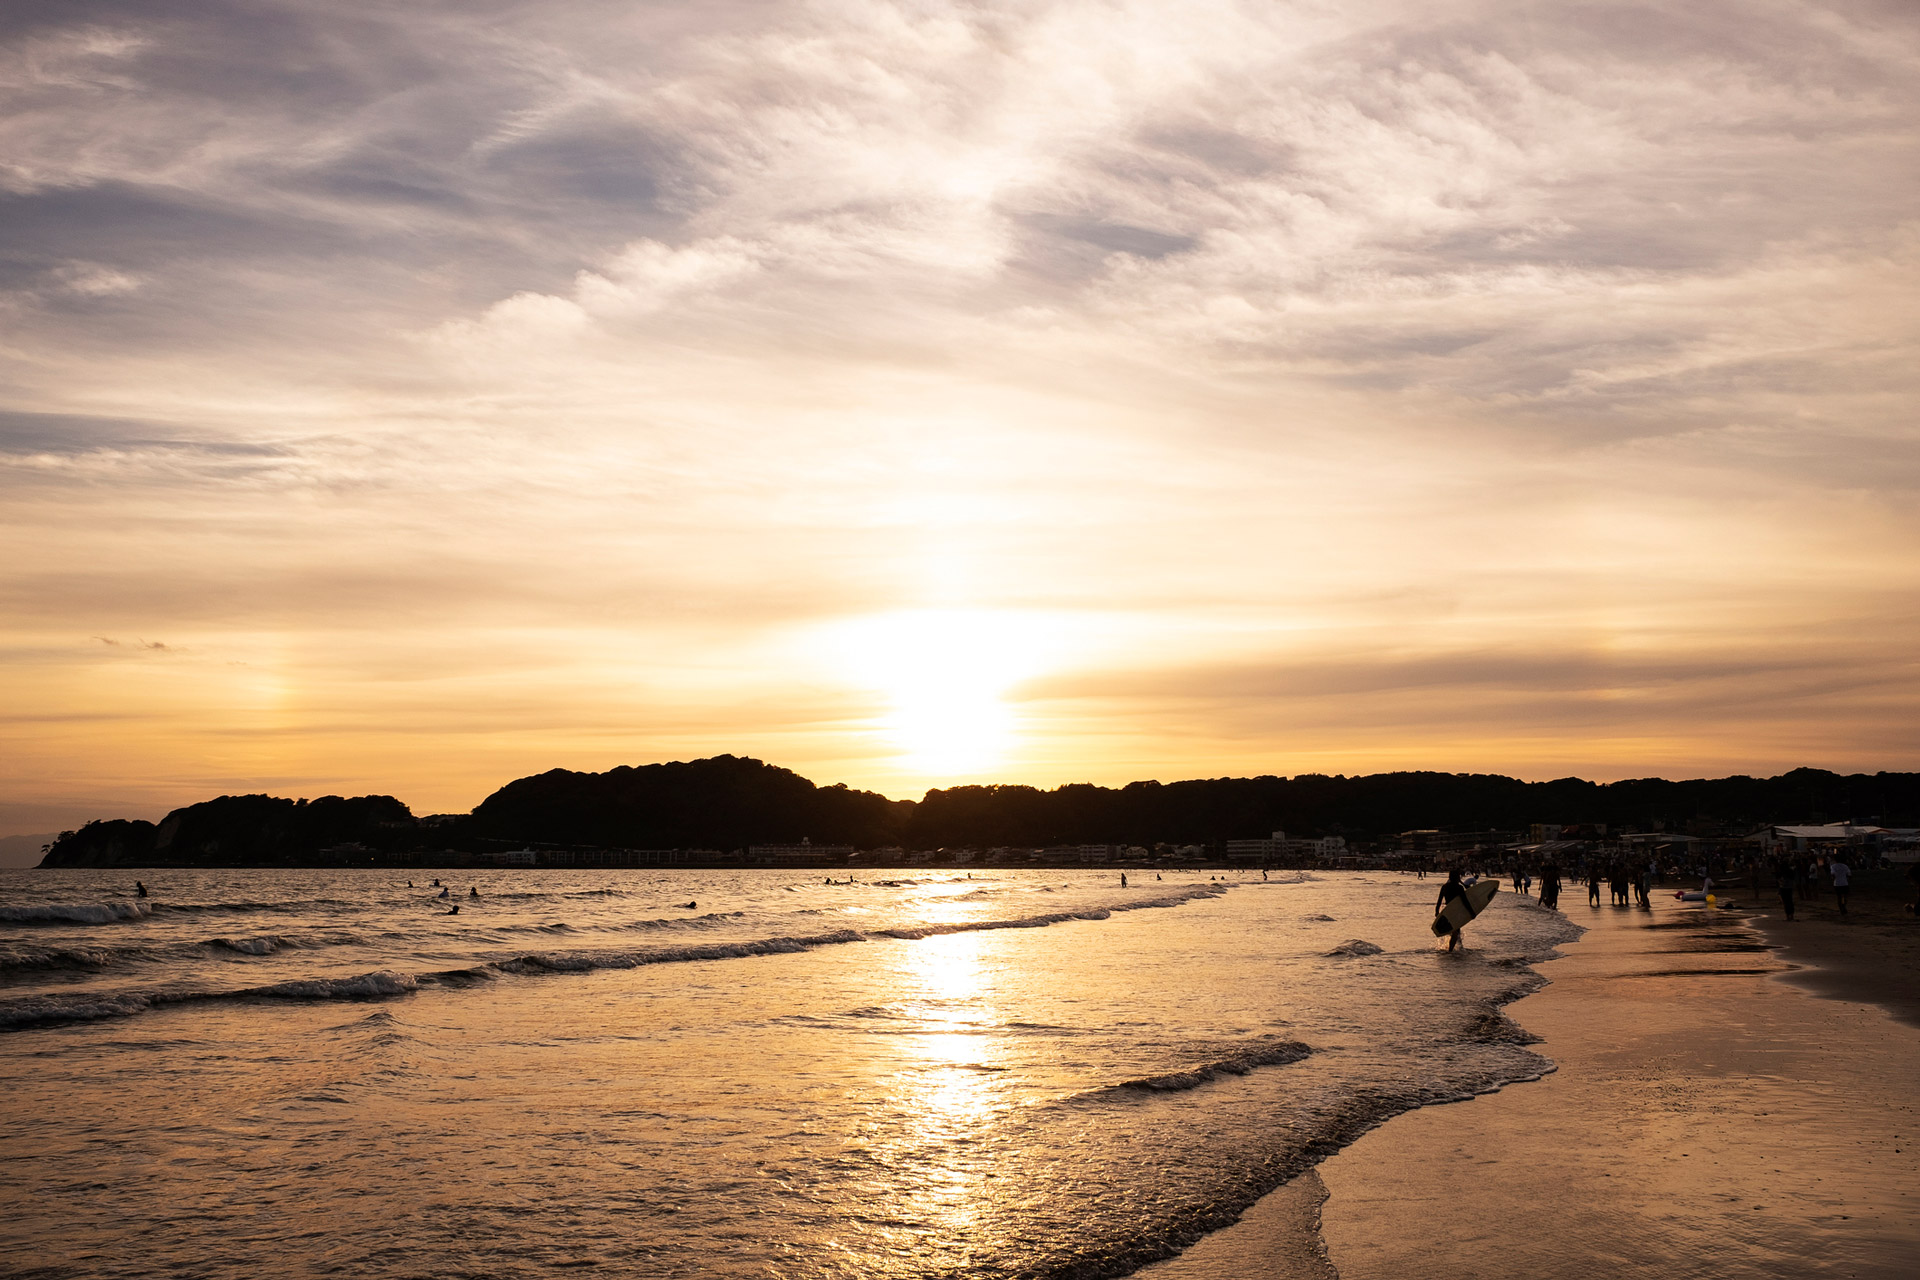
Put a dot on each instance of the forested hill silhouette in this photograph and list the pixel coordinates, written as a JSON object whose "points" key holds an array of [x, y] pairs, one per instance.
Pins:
{"points": [[1211, 810], [236, 831], [727, 803]]}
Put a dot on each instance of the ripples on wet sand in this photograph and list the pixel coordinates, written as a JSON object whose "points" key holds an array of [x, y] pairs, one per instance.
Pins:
{"points": [[1016, 1075]]}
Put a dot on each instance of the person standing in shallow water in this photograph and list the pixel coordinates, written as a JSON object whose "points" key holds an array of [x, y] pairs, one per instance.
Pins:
{"points": [[1448, 892], [1784, 873], [1842, 879]]}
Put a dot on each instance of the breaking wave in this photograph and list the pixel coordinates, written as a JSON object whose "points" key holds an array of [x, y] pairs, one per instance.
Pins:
{"points": [[1271, 1054], [77, 913], [23, 1012]]}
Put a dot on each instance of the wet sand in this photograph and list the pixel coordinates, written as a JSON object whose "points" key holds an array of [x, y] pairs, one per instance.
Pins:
{"points": [[1872, 953], [1707, 1119], [1710, 1116]]}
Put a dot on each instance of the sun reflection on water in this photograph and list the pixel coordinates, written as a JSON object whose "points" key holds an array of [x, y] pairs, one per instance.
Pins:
{"points": [[946, 1081]]}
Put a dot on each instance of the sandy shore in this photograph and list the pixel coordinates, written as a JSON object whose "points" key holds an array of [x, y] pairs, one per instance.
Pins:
{"points": [[1872, 953], [1710, 1117]]}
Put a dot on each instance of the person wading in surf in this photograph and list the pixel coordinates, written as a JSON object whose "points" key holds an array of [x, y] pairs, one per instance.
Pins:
{"points": [[1448, 892]]}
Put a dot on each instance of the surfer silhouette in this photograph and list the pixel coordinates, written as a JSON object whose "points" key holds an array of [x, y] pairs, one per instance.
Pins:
{"points": [[139, 889], [1448, 892]]}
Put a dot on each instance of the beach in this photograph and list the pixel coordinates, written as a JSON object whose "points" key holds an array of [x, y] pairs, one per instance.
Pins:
{"points": [[1714, 1112]]}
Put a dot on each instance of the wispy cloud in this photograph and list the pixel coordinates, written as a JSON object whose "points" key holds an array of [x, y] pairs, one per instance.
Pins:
{"points": [[1309, 358]]}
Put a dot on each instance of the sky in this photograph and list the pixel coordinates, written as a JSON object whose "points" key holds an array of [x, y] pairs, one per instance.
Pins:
{"points": [[409, 398]]}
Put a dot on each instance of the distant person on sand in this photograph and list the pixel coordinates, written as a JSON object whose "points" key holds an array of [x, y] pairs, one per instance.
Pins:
{"points": [[1784, 873], [1448, 892], [1123, 879], [1593, 886], [1842, 880]]}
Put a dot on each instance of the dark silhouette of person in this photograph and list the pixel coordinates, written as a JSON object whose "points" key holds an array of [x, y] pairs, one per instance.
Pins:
{"points": [[454, 910], [1123, 879], [1784, 874], [473, 891], [139, 889], [1448, 892]]}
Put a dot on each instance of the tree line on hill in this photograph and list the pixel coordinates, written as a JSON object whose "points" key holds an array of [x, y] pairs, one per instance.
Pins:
{"points": [[727, 803]]}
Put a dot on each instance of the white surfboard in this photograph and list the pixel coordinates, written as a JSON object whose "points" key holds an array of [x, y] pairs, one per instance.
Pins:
{"points": [[1465, 907]]}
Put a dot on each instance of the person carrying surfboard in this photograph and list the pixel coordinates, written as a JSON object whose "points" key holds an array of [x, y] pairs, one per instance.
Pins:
{"points": [[1448, 892]]}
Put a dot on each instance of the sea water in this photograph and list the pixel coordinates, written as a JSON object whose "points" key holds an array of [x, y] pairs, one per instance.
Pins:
{"points": [[710, 1073]]}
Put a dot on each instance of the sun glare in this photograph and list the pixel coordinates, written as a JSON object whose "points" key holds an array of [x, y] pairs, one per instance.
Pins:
{"points": [[945, 674]]}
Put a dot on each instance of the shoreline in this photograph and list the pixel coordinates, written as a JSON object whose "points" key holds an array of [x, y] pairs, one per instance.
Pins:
{"points": [[1725, 1102], [1705, 1119]]}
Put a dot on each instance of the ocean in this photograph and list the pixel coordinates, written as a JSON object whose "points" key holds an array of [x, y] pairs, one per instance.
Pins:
{"points": [[1022, 1073]]}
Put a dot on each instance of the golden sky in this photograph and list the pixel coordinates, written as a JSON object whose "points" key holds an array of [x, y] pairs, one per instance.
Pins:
{"points": [[411, 398]]}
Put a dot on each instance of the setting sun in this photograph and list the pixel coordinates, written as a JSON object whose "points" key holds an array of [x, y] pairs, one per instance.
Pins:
{"points": [[945, 675]]}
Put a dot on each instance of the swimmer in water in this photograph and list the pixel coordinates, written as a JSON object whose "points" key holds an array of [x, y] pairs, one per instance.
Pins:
{"points": [[139, 889], [454, 910], [474, 891], [691, 905], [444, 893]]}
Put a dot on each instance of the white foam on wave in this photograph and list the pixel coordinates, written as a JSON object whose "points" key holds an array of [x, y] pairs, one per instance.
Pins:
{"points": [[587, 961], [23, 1012], [77, 913], [377, 985], [916, 931], [1270, 1054]]}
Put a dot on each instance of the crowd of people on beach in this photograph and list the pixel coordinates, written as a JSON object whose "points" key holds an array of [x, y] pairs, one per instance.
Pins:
{"points": [[1797, 877]]}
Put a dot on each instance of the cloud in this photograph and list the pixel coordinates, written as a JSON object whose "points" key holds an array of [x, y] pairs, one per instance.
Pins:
{"points": [[1311, 357]]}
